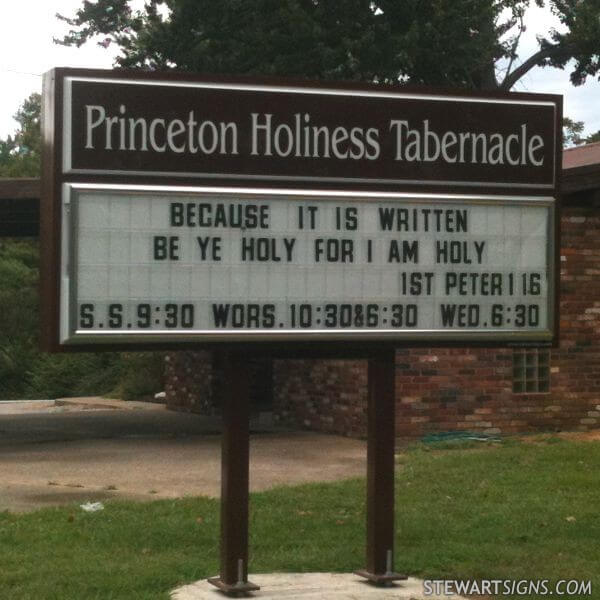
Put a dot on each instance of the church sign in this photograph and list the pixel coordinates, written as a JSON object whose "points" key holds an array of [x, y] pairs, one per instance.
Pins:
{"points": [[187, 210]]}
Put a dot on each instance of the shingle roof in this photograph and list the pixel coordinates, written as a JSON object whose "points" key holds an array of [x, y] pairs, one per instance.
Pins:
{"points": [[581, 156], [581, 169]]}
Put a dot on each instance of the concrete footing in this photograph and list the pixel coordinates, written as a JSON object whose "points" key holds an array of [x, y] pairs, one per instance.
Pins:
{"points": [[314, 586]]}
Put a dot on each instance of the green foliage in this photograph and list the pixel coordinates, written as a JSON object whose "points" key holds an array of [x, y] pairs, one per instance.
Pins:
{"points": [[572, 131], [526, 511], [469, 43], [126, 376], [140, 375], [593, 138], [20, 156], [61, 375], [18, 313], [25, 372], [579, 42]]}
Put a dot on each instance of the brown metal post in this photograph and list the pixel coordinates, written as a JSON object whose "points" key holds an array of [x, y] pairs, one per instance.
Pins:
{"points": [[234, 477], [380, 470]]}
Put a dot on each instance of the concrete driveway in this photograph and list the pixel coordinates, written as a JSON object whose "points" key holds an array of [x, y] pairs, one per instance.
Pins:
{"points": [[93, 449]]}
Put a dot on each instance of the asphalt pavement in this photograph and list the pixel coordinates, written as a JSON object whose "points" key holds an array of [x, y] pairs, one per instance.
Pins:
{"points": [[94, 419], [93, 450]]}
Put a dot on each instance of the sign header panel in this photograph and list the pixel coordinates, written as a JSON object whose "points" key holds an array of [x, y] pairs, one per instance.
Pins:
{"points": [[150, 263], [307, 135]]}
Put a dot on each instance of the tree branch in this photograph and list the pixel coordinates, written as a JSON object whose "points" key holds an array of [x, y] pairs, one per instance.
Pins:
{"points": [[533, 61], [513, 50]]}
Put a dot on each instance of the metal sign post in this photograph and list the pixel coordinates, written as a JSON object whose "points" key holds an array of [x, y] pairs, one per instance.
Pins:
{"points": [[380, 470], [233, 576]]}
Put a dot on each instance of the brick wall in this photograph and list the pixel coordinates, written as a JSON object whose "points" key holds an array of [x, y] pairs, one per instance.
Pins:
{"points": [[189, 382], [193, 381], [442, 389], [321, 395], [576, 365]]}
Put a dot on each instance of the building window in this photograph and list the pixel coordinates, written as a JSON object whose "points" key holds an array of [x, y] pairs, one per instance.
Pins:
{"points": [[531, 371]]}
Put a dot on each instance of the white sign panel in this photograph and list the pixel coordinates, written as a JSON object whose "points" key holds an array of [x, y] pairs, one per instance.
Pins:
{"points": [[226, 264]]}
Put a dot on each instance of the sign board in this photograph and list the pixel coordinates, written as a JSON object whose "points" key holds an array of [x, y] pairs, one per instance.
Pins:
{"points": [[261, 133], [227, 211]]}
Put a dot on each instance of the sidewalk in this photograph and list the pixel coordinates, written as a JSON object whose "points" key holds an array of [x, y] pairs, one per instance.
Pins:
{"points": [[18, 407], [99, 403]]}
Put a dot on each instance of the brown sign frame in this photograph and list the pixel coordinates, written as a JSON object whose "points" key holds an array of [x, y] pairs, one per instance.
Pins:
{"points": [[55, 175]]}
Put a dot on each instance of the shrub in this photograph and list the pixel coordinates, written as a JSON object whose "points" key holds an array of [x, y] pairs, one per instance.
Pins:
{"points": [[19, 315]]}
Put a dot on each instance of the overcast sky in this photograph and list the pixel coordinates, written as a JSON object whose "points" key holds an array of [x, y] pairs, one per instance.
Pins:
{"points": [[26, 50]]}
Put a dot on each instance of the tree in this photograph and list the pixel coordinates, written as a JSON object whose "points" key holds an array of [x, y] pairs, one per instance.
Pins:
{"points": [[593, 138], [468, 43], [572, 131], [20, 155]]}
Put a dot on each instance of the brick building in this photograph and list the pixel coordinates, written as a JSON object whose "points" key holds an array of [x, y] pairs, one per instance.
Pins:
{"points": [[445, 389]]}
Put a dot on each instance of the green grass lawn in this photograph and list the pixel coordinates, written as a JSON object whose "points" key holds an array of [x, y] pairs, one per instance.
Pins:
{"points": [[513, 510]]}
